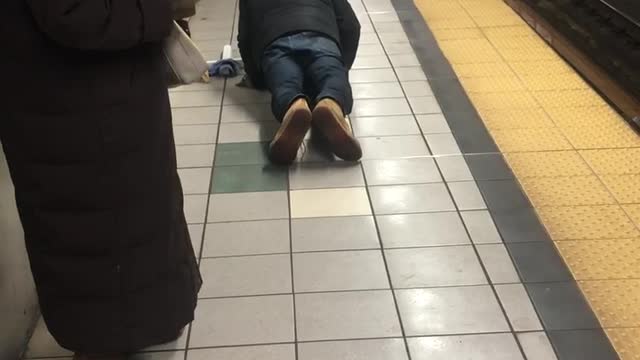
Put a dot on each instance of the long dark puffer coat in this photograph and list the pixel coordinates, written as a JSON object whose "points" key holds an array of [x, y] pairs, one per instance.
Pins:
{"points": [[86, 128]]}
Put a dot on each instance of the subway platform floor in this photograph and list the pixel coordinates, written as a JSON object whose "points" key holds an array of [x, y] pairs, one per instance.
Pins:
{"points": [[429, 248]]}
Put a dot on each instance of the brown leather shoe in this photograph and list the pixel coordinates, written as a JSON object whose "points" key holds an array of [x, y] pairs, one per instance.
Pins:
{"points": [[330, 120], [99, 357], [295, 125]]}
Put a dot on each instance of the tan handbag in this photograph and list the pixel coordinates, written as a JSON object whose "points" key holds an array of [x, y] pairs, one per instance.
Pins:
{"points": [[185, 64]]}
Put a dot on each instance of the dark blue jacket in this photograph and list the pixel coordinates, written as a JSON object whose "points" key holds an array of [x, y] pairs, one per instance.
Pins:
{"points": [[264, 21]]}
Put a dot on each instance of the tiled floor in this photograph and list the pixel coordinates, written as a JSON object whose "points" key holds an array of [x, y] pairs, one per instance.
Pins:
{"points": [[398, 257]]}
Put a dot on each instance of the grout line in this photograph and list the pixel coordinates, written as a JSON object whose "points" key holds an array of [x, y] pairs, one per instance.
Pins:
{"points": [[377, 225], [291, 255], [204, 228], [417, 247], [350, 291]]}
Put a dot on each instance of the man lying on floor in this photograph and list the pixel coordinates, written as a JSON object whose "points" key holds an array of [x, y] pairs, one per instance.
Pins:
{"points": [[302, 50]]}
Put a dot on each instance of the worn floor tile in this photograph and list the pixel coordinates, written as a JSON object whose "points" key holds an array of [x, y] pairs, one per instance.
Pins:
{"points": [[236, 95], [379, 349], [246, 276], [498, 264], [264, 352], [404, 60], [372, 76], [248, 178], [369, 38], [384, 17], [434, 266], [385, 126], [331, 175], [195, 208], [252, 153], [346, 315], [184, 99], [329, 202], [398, 48], [243, 321], [196, 115], [380, 107], [402, 199], [337, 271], [410, 73], [433, 124], [518, 306], [247, 113], [481, 227], [393, 37], [442, 144], [246, 238], [195, 181], [417, 230], [371, 50], [536, 346], [454, 168], [334, 233], [467, 195], [393, 147], [247, 132], [266, 205], [416, 88], [380, 7], [401, 171], [443, 311], [476, 347], [195, 134], [190, 156], [376, 90], [424, 105]]}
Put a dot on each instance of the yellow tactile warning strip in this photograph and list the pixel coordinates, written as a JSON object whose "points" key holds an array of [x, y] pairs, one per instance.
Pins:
{"points": [[575, 157]]}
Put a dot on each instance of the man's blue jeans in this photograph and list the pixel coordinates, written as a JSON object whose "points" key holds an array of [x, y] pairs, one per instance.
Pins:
{"points": [[305, 65]]}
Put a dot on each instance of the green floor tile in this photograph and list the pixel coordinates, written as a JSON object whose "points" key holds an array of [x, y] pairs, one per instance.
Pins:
{"points": [[248, 178], [250, 153]]}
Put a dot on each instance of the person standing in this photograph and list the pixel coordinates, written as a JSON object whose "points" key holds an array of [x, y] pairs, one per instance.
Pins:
{"points": [[87, 132], [301, 50]]}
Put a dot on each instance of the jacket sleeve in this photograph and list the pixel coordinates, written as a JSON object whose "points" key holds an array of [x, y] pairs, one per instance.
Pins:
{"points": [[103, 24], [246, 48], [349, 28], [183, 9]]}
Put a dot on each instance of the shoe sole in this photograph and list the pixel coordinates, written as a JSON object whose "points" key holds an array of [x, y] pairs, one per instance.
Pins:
{"points": [[284, 147], [342, 143]]}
